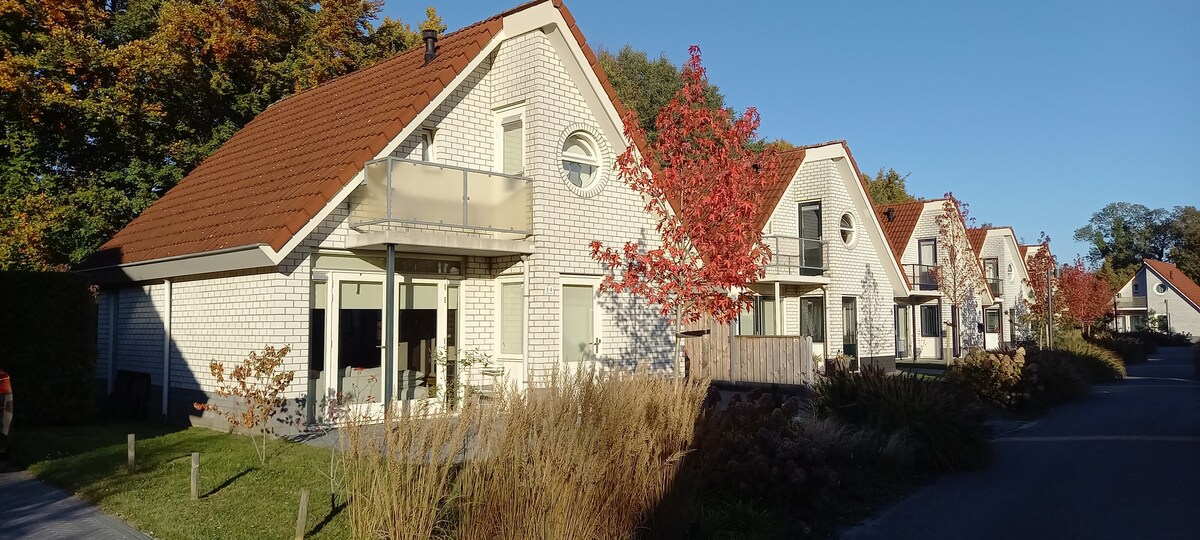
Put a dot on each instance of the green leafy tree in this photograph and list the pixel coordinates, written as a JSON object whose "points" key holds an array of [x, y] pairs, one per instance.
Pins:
{"points": [[1121, 234], [1185, 232], [646, 86], [887, 187], [106, 105]]}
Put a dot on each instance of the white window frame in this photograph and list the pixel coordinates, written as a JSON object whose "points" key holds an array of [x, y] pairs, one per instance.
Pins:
{"points": [[503, 116], [498, 306], [853, 229], [593, 160], [597, 319]]}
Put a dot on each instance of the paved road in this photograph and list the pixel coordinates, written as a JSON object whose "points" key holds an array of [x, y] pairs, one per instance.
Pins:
{"points": [[30, 508], [1122, 464]]}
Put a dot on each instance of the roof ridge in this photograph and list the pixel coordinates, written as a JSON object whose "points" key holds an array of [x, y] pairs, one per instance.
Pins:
{"points": [[398, 56]]}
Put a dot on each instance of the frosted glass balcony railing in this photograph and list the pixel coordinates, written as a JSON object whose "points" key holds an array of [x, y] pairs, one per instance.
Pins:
{"points": [[795, 256], [405, 192]]}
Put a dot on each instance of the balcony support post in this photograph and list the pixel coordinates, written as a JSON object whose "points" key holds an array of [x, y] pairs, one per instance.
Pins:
{"points": [[466, 198], [389, 324], [778, 309]]}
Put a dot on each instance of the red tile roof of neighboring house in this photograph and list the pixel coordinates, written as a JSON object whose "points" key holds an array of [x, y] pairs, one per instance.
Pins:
{"points": [[977, 237], [789, 162], [900, 227], [1180, 281], [277, 172]]}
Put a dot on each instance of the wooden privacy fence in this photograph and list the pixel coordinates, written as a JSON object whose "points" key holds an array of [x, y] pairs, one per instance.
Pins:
{"points": [[784, 360]]}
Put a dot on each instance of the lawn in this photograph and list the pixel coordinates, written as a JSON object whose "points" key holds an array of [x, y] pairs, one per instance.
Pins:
{"points": [[238, 497]]}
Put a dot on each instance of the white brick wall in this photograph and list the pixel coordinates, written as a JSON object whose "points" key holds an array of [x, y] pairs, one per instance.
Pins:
{"points": [[1000, 245], [225, 316], [971, 311], [855, 270]]}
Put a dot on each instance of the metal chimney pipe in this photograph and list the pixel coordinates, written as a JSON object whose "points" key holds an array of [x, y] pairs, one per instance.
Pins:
{"points": [[430, 37]]}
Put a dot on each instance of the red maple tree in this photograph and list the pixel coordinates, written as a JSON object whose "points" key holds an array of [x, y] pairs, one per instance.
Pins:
{"points": [[1038, 265], [701, 180], [1084, 297]]}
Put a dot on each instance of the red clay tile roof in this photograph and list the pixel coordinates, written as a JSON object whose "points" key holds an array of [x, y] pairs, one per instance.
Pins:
{"points": [[899, 229], [277, 172], [977, 237], [1177, 279], [789, 163]]}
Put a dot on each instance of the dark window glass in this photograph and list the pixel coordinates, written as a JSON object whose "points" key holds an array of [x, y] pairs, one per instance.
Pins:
{"points": [[931, 321]]}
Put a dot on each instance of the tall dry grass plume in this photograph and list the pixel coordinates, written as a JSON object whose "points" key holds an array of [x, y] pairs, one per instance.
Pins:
{"points": [[579, 455]]}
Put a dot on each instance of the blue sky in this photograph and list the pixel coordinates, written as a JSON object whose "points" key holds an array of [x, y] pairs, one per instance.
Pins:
{"points": [[1035, 113]]}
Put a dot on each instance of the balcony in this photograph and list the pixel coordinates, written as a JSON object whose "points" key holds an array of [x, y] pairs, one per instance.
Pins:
{"points": [[921, 277], [441, 208], [996, 286], [794, 259], [1136, 302]]}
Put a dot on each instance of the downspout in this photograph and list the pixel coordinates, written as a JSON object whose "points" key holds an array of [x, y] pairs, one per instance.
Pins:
{"points": [[825, 323], [524, 322], [166, 365], [114, 298], [778, 309]]}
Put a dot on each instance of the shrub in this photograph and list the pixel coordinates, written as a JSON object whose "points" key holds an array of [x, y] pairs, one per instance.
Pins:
{"points": [[943, 424], [48, 331], [1131, 350], [1161, 339], [751, 450], [1049, 380], [258, 386], [787, 472], [992, 377], [1094, 362]]}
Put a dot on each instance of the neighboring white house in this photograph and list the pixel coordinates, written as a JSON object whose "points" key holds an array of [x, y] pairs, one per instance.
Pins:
{"points": [[1159, 297], [1006, 275], [831, 276], [487, 169], [926, 314]]}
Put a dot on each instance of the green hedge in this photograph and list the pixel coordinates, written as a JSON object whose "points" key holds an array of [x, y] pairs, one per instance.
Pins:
{"points": [[48, 346]]}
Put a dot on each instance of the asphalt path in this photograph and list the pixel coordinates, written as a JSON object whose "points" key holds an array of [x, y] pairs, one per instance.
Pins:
{"points": [[1123, 463]]}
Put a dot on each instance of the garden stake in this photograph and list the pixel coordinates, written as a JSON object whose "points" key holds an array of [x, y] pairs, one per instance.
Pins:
{"points": [[195, 475], [129, 452], [302, 519]]}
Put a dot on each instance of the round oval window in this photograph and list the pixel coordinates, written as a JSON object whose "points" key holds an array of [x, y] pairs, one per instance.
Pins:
{"points": [[580, 160], [846, 227], [1160, 288]]}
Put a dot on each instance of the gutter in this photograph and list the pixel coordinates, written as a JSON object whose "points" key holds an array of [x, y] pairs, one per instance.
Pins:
{"points": [[221, 260]]}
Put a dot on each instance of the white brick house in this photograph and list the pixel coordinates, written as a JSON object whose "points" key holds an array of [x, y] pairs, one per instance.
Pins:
{"points": [[925, 322], [1006, 275], [831, 276], [487, 170], [1159, 297]]}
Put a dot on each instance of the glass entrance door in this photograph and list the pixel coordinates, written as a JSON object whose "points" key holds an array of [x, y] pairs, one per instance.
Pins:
{"points": [[580, 335], [425, 326], [357, 360], [850, 330]]}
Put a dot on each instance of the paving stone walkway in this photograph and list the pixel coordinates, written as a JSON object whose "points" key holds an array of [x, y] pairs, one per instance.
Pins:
{"points": [[30, 508]]}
